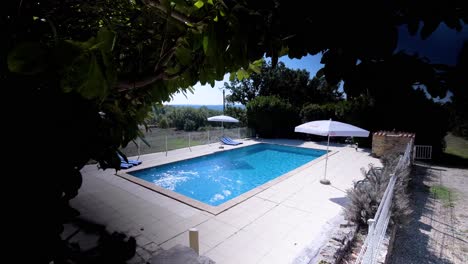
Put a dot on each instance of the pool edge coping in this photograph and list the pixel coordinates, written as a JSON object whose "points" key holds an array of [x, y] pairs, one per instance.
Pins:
{"points": [[215, 210]]}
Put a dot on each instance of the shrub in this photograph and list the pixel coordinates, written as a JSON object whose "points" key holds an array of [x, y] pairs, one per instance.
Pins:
{"points": [[271, 117], [367, 194], [190, 125], [163, 123], [180, 116], [313, 112]]}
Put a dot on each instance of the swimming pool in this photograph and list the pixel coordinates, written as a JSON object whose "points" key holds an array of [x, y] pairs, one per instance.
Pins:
{"points": [[217, 178]]}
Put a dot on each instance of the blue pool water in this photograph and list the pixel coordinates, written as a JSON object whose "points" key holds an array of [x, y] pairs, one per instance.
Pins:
{"points": [[217, 178]]}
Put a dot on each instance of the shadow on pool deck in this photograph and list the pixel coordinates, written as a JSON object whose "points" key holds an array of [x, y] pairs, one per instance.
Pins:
{"points": [[341, 201]]}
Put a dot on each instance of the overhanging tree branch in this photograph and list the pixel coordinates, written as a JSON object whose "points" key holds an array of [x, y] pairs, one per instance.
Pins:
{"points": [[127, 85], [162, 76], [174, 14]]}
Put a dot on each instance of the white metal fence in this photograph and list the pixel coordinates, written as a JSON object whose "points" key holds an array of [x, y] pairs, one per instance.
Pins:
{"points": [[161, 140], [378, 226], [422, 152]]}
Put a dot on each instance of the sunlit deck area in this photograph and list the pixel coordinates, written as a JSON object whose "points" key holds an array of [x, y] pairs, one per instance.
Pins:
{"points": [[282, 223]]}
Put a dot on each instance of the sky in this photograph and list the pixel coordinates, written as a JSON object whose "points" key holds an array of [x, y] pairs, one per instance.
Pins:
{"points": [[206, 95], [441, 47]]}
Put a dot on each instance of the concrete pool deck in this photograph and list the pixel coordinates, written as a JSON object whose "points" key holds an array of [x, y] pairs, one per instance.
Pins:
{"points": [[274, 225]]}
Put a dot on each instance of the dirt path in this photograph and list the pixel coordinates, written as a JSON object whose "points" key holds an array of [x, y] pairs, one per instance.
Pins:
{"points": [[438, 232]]}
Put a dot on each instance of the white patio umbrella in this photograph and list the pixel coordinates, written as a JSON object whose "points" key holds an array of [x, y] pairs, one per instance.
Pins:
{"points": [[329, 129], [222, 119]]}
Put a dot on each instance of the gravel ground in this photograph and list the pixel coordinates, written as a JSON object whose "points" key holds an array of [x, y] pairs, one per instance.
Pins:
{"points": [[438, 232]]}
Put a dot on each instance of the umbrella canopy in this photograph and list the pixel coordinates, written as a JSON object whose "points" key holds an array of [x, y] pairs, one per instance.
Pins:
{"points": [[329, 129], [332, 129], [223, 118]]}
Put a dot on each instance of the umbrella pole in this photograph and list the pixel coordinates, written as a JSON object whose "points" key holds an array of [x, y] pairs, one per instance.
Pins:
{"points": [[324, 180]]}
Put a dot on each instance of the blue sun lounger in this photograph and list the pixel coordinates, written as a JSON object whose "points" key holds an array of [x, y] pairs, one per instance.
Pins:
{"points": [[124, 165], [229, 141], [131, 162]]}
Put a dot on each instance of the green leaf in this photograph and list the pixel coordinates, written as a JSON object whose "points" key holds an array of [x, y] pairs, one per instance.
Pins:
{"points": [[86, 76], [205, 44], [183, 55], [242, 74], [320, 73], [283, 51], [203, 76], [172, 70], [27, 58], [86, 45], [254, 68], [106, 39], [199, 4], [221, 13], [65, 53], [210, 2], [166, 4], [232, 76], [215, 19], [259, 62], [211, 45]]}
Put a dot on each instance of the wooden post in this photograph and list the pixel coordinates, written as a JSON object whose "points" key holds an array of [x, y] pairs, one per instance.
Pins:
{"points": [[193, 240]]}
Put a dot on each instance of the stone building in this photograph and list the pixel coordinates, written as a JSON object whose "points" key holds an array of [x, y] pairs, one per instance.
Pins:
{"points": [[390, 142]]}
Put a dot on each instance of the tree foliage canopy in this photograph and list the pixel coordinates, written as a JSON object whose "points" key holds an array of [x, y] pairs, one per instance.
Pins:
{"points": [[271, 116], [295, 86]]}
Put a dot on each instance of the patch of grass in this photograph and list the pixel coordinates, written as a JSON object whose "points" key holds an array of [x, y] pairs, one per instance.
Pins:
{"points": [[177, 143], [456, 146], [444, 194]]}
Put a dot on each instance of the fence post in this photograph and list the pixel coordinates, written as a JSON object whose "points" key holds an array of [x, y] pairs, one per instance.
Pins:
{"points": [[166, 145], [189, 141], [370, 223], [370, 233], [209, 143], [193, 240], [138, 146]]}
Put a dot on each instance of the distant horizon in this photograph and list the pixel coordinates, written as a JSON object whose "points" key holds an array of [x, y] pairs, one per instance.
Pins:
{"points": [[199, 104], [217, 107]]}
